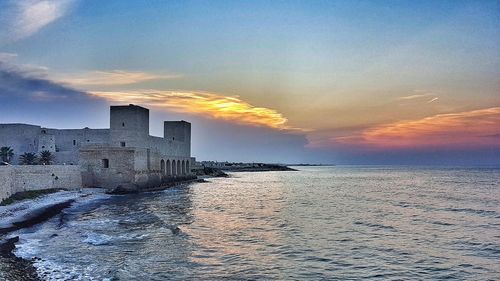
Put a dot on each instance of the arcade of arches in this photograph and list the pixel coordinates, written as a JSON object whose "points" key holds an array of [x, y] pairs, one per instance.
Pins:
{"points": [[175, 167]]}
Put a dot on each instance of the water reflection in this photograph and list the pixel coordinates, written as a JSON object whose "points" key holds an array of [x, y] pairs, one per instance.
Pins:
{"points": [[319, 223]]}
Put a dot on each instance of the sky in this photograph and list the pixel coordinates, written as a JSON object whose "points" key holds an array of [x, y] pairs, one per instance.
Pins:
{"points": [[334, 82]]}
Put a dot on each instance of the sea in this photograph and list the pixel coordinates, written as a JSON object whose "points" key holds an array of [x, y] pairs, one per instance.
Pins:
{"points": [[318, 223]]}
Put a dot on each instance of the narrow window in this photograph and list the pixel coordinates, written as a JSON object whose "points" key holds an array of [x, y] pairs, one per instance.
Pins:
{"points": [[105, 163], [74, 142], [123, 124], [122, 144]]}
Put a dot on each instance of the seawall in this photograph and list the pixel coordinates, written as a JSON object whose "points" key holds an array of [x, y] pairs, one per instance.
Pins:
{"points": [[37, 177]]}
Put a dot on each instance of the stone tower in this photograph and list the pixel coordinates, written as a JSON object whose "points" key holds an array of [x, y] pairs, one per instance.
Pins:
{"points": [[129, 126], [179, 131]]}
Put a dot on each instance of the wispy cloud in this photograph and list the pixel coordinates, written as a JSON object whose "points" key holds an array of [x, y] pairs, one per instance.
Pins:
{"points": [[420, 94], [412, 97], [26, 82], [112, 78], [23, 18], [8, 64], [433, 100], [462, 129], [7, 57], [202, 103]]}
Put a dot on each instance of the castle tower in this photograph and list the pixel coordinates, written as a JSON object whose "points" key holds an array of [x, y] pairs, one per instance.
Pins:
{"points": [[129, 126], [179, 131]]}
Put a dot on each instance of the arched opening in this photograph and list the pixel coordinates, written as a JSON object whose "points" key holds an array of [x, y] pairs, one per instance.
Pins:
{"points": [[187, 167], [178, 167], [162, 166], [169, 169], [174, 168], [183, 167]]}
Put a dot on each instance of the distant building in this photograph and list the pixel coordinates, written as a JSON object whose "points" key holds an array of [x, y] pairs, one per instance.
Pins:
{"points": [[123, 155]]}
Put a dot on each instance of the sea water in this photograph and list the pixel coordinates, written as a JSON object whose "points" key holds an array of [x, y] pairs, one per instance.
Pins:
{"points": [[319, 223]]}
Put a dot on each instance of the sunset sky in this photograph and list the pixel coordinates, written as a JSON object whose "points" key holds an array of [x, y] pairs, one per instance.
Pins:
{"points": [[343, 82]]}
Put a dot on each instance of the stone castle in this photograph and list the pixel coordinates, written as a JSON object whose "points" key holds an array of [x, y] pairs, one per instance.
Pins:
{"points": [[125, 155]]}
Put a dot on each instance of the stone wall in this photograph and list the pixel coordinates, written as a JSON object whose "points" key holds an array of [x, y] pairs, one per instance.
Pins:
{"points": [[20, 137], [64, 144], [118, 169], [6, 188], [110, 167], [37, 177]]}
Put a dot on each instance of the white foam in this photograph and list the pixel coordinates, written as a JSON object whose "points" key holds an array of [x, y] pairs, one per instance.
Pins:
{"points": [[97, 239], [16, 212]]}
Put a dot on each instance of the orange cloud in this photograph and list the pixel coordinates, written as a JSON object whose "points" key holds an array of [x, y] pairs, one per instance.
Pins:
{"points": [[477, 128], [207, 104]]}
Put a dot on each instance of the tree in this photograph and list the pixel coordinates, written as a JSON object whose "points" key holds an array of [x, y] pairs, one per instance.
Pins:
{"points": [[6, 153], [28, 158], [46, 157]]}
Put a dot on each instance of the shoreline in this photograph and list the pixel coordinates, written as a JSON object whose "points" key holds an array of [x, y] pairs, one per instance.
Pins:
{"points": [[27, 213], [221, 171], [12, 266], [24, 215], [261, 169]]}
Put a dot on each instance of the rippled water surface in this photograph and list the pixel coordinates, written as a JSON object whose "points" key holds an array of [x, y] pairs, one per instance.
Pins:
{"points": [[320, 223]]}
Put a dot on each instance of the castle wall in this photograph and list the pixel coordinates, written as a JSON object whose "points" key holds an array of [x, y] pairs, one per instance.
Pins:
{"points": [[69, 141], [20, 137], [64, 143], [6, 187], [120, 168], [46, 142], [16, 178], [138, 168], [169, 147], [73, 139]]}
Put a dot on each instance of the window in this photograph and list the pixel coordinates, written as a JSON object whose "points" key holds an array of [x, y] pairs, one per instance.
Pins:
{"points": [[105, 163], [122, 144], [123, 124], [43, 146], [74, 142]]}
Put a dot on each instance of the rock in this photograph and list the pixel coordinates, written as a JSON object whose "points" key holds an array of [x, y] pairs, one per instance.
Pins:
{"points": [[8, 245], [124, 189]]}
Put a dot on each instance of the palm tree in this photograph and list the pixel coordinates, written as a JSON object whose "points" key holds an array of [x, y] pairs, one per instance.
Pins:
{"points": [[28, 158], [46, 157], [6, 153]]}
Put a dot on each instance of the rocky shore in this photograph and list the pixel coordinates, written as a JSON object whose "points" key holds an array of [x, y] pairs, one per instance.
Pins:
{"points": [[12, 267], [30, 212], [259, 168], [211, 172], [127, 189], [221, 171]]}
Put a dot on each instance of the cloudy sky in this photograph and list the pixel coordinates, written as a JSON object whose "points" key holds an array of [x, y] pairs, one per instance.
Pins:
{"points": [[344, 82]]}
